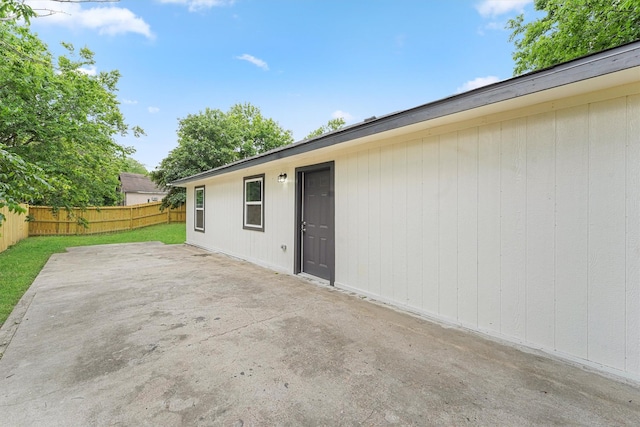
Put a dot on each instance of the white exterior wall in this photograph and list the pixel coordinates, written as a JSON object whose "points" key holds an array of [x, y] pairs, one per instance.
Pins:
{"points": [[223, 219], [140, 198], [527, 229], [523, 225]]}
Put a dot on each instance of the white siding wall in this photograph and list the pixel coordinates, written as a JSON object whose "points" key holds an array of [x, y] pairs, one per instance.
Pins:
{"points": [[140, 198], [527, 229], [223, 219]]}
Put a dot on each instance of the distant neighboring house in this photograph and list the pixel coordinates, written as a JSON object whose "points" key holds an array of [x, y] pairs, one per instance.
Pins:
{"points": [[138, 188]]}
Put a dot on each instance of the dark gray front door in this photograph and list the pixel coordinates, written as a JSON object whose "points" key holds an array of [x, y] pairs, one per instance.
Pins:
{"points": [[317, 224]]}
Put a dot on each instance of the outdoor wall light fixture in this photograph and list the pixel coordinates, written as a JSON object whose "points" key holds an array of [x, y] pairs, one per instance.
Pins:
{"points": [[282, 177]]}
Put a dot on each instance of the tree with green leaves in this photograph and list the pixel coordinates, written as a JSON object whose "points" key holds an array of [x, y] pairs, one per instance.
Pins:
{"points": [[570, 29], [58, 123], [333, 124], [213, 138], [131, 165], [14, 10], [19, 182]]}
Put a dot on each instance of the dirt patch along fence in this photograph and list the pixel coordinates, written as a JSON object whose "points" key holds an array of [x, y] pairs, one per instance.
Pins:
{"points": [[44, 221], [14, 228]]}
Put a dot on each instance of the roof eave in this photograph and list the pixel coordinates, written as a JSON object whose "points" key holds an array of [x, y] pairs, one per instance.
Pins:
{"points": [[594, 65]]}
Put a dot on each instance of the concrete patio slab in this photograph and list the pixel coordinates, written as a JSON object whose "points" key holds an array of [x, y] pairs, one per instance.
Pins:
{"points": [[153, 334]]}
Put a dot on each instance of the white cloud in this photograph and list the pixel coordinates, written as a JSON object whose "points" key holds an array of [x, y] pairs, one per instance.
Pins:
{"points": [[493, 26], [492, 8], [342, 114], [129, 102], [89, 71], [255, 61], [476, 83], [196, 5], [496, 25], [153, 110], [105, 20]]}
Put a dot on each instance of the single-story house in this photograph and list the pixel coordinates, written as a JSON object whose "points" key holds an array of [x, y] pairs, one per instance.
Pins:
{"points": [[137, 189], [512, 210]]}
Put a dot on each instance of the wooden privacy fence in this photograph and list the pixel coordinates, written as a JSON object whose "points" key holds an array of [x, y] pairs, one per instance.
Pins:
{"points": [[45, 222], [14, 228]]}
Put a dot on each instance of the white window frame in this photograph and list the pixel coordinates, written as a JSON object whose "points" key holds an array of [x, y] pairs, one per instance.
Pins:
{"points": [[198, 209], [246, 203]]}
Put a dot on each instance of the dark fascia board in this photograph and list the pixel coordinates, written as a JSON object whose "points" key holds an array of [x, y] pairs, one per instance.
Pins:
{"points": [[587, 67]]}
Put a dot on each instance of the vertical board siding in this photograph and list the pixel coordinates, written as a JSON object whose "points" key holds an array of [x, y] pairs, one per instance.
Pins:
{"points": [[362, 221], [373, 215], [448, 227], [572, 230], [280, 218], [386, 218], [540, 250], [607, 141], [528, 229], [224, 220], [513, 185], [633, 236], [354, 245], [468, 228], [342, 228], [525, 228], [430, 225], [489, 226], [399, 224], [414, 224]]}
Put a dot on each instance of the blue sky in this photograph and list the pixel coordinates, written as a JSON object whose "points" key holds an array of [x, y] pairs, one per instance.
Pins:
{"points": [[301, 62]]}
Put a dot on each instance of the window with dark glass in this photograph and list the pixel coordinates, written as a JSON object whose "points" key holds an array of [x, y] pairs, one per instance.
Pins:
{"points": [[199, 209], [254, 203]]}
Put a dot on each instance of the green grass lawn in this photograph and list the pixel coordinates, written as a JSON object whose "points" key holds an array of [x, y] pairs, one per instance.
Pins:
{"points": [[21, 263]]}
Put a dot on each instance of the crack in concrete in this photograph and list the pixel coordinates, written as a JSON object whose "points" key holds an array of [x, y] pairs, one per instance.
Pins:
{"points": [[251, 324]]}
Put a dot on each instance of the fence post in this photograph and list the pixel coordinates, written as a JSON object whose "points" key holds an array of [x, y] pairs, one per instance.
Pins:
{"points": [[131, 218]]}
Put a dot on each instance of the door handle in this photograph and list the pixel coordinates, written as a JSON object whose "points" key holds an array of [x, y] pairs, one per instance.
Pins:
{"points": [[303, 226]]}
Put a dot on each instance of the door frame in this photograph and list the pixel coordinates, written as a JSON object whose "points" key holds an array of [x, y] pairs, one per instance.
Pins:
{"points": [[300, 172]]}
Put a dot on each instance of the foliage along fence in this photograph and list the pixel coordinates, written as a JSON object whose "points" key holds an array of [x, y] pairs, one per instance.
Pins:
{"points": [[45, 222], [14, 228]]}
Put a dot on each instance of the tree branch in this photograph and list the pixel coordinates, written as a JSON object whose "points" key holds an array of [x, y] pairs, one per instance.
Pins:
{"points": [[17, 9]]}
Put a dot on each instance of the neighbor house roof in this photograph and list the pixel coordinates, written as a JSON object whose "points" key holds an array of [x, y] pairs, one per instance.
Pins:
{"points": [[622, 58], [137, 183]]}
